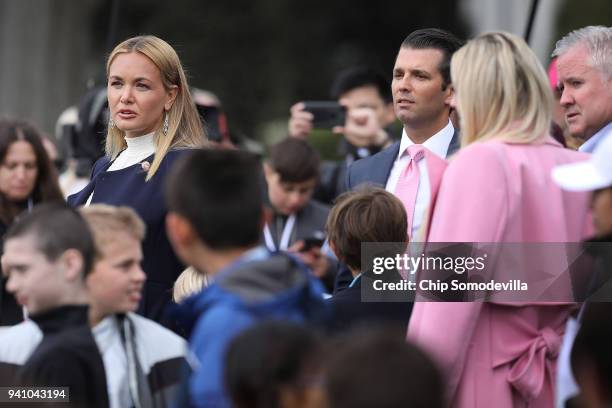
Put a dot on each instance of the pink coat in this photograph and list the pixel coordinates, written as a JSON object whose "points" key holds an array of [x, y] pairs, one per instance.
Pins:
{"points": [[495, 354]]}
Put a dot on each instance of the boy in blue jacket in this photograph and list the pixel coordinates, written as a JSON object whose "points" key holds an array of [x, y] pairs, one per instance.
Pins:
{"points": [[215, 221]]}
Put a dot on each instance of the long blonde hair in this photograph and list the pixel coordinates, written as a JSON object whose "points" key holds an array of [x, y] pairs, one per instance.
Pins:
{"points": [[501, 90], [184, 125]]}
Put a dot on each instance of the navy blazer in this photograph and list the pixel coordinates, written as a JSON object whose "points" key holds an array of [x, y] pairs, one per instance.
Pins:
{"points": [[128, 187], [349, 310]]}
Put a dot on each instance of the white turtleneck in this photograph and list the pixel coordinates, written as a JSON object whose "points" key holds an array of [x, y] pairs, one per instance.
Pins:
{"points": [[138, 149]]}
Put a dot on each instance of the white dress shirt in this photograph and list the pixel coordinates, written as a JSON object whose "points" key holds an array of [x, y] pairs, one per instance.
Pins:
{"points": [[437, 144], [591, 143]]}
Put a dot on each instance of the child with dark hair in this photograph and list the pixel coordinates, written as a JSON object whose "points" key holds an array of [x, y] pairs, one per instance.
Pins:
{"points": [[374, 368], [215, 222], [361, 76], [48, 254], [369, 214], [275, 365], [365, 92], [291, 173]]}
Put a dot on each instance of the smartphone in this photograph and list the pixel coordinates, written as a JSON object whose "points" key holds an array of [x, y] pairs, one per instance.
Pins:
{"points": [[327, 114], [312, 242]]}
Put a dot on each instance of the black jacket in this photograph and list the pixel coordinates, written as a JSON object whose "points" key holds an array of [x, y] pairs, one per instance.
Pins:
{"points": [[10, 312], [67, 357], [600, 285], [350, 310]]}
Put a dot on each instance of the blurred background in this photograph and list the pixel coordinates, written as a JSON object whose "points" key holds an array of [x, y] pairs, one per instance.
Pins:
{"points": [[258, 56]]}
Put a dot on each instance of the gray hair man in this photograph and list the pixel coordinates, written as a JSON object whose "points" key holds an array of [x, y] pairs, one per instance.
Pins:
{"points": [[584, 66]]}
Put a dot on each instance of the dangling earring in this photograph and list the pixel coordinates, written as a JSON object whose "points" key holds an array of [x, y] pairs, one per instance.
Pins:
{"points": [[165, 126], [111, 124]]}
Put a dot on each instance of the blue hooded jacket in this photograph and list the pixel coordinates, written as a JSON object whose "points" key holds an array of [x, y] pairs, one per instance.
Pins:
{"points": [[271, 287]]}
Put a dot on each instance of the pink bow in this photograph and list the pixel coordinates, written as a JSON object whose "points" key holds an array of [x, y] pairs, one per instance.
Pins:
{"points": [[529, 370]]}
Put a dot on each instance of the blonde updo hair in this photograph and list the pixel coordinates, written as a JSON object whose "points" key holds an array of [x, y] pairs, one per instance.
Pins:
{"points": [[189, 282], [184, 126], [501, 90]]}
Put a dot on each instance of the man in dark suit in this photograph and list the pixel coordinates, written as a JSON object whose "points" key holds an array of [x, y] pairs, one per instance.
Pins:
{"points": [[422, 94]]}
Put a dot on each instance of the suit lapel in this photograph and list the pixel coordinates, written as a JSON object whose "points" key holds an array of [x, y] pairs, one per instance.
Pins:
{"points": [[81, 197], [454, 145], [382, 169]]}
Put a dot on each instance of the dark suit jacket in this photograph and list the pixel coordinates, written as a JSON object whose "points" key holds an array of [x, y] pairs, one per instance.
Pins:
{"points": [[332, 176], [349, 311], [375, 170], [332, 181], [128, 187], [310, 223]]}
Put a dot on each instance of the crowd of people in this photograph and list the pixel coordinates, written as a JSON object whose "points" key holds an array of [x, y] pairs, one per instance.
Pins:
{"points": [[193, 273]]}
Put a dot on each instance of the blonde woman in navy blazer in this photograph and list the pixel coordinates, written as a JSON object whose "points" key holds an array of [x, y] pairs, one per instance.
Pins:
{"points": [[153, 122]]}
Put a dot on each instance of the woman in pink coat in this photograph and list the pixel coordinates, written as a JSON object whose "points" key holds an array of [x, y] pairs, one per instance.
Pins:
{"points": [[498, 188]]}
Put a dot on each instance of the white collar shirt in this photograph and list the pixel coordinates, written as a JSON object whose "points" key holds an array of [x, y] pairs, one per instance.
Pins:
{"points": [[591, 143], [437, 144]]}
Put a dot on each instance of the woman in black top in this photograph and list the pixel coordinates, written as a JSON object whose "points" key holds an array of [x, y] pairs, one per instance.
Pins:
{"points": [[27, 177]]}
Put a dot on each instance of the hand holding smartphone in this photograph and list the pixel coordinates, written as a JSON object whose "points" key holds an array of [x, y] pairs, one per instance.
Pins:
{"points": [[326, 114], [310, 243]]}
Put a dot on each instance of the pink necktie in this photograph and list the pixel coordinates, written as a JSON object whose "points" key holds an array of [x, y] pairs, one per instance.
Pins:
{"points": [[408, 183]]}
